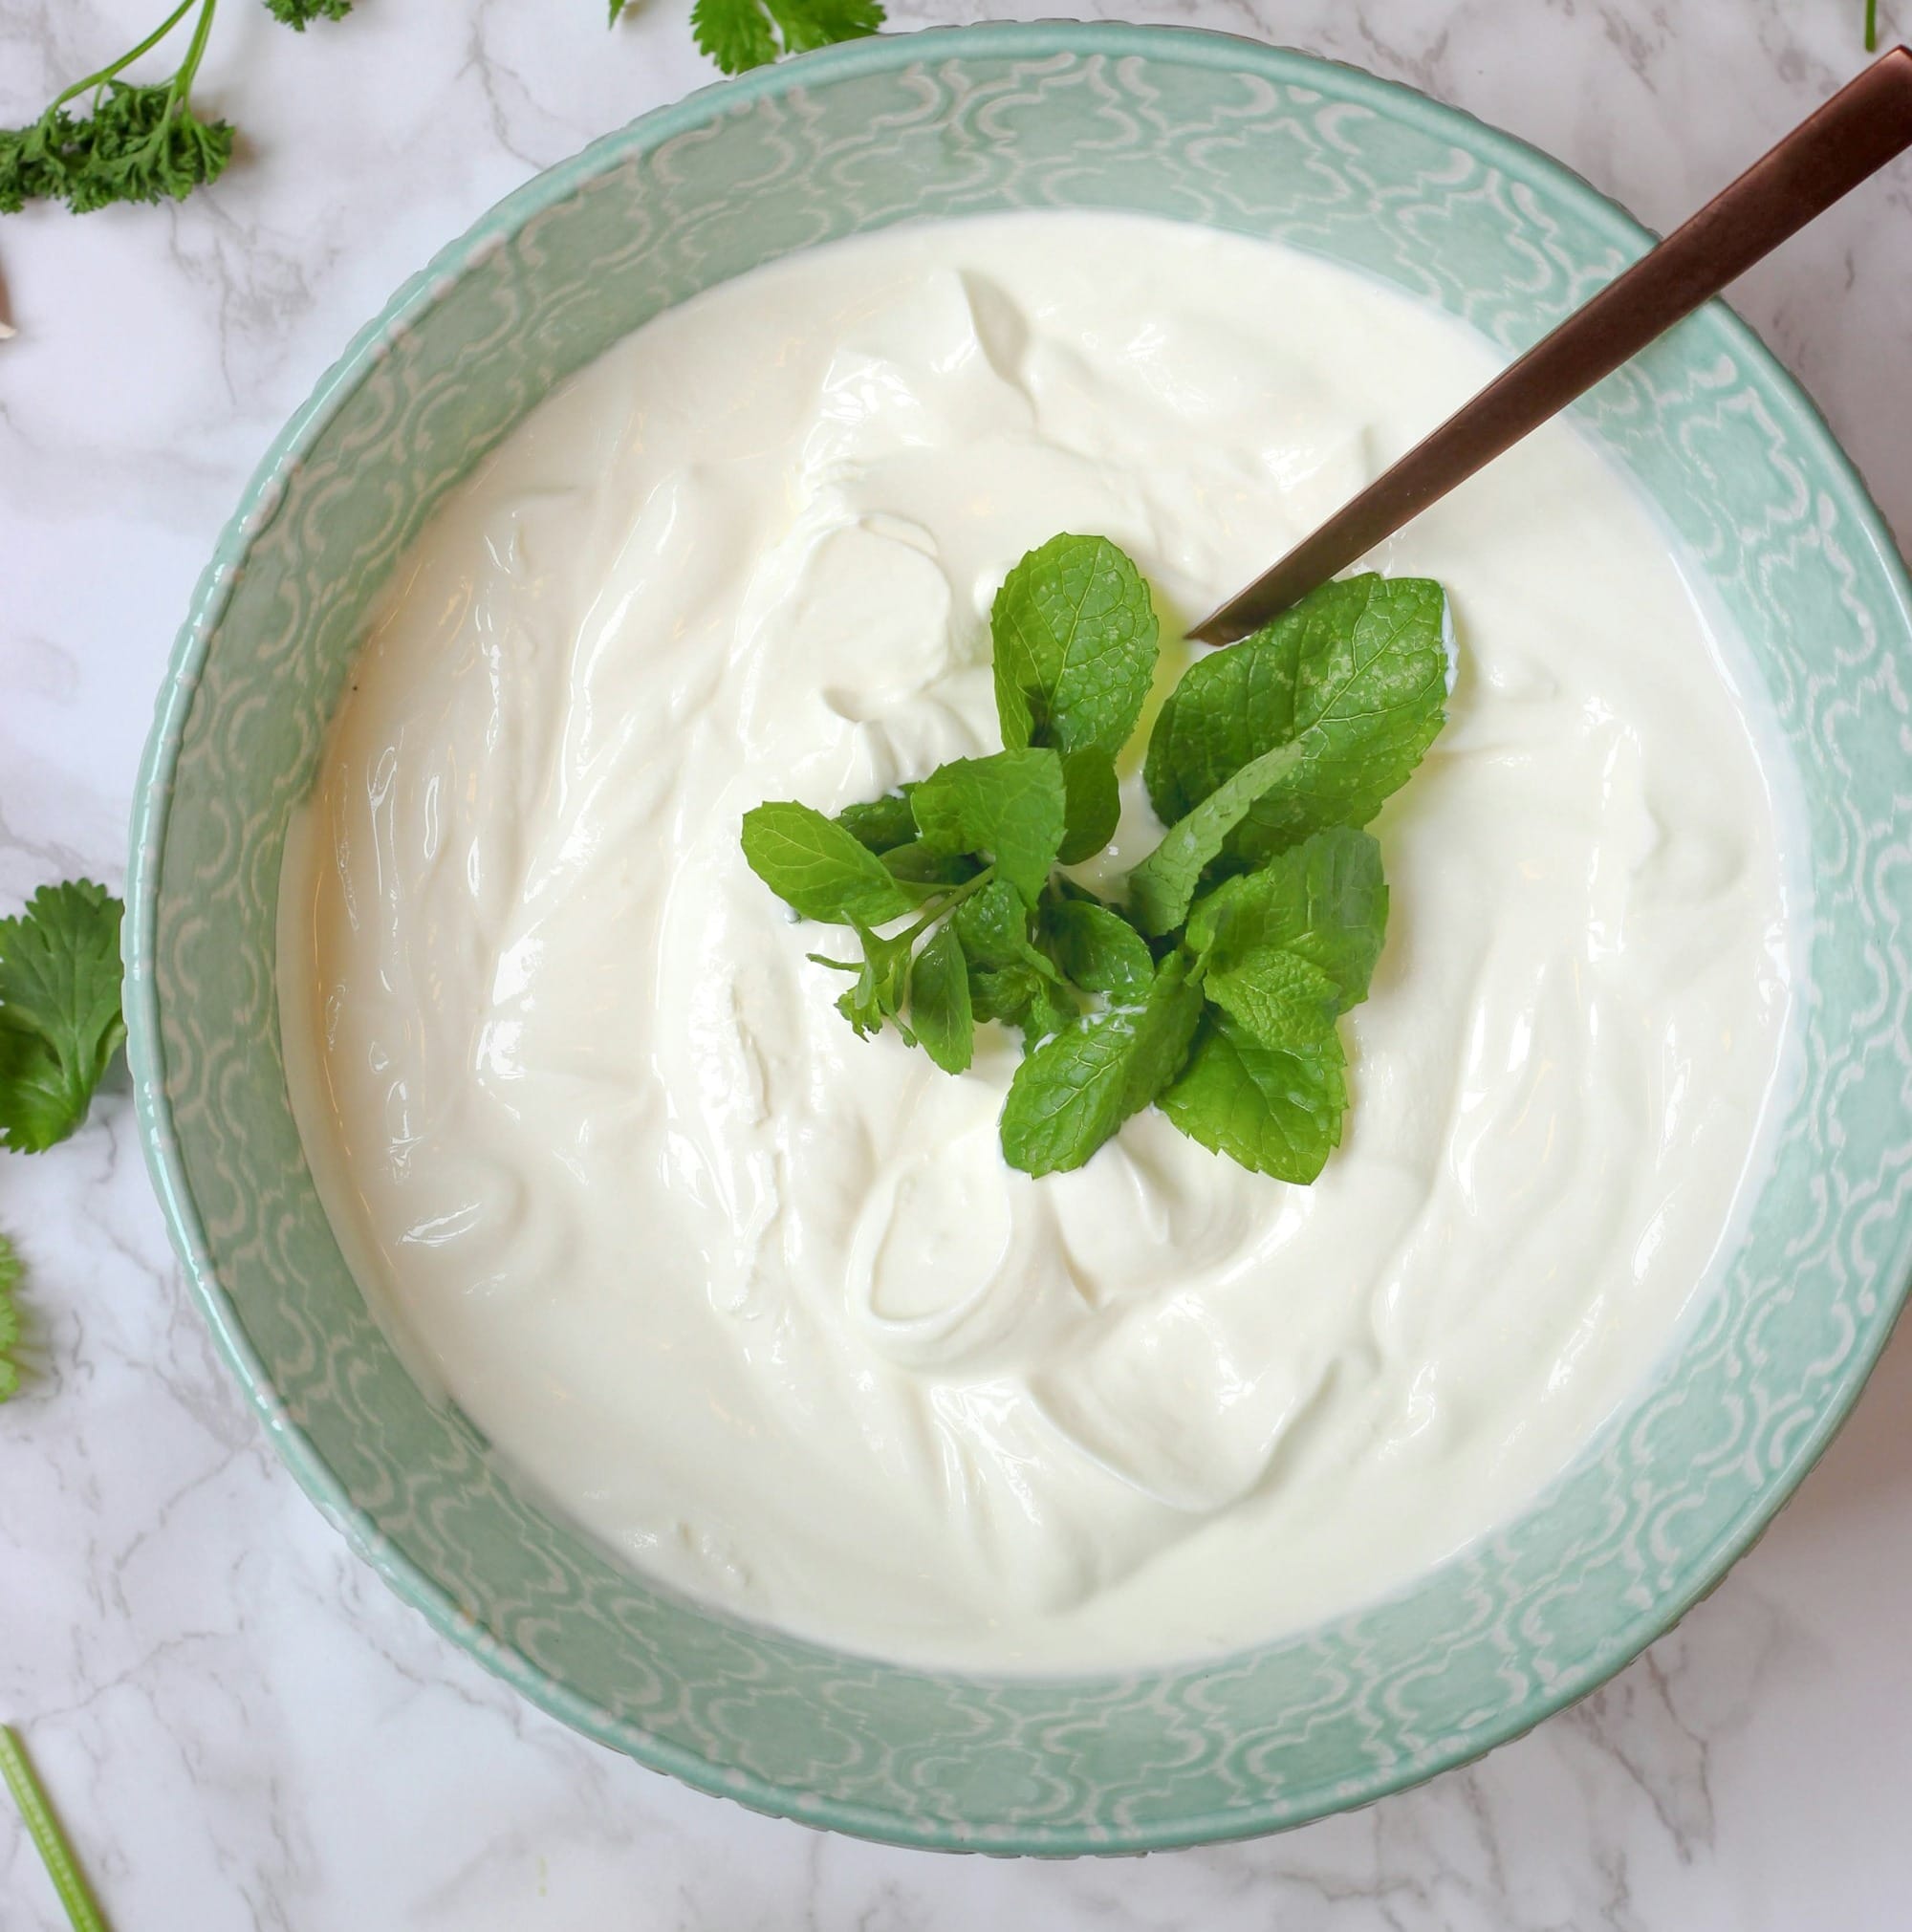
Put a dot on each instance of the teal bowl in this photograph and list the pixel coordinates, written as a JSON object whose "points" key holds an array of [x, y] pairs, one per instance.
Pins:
{"points": [[1753, 495]]}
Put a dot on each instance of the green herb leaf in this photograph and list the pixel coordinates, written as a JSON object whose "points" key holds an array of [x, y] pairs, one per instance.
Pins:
{"points": [[928, 866], [1010, 978], [1165, 1031], [992, 926], [1276, 998], [1355, 675], [805, 24], [1098, 948], [1004, 992], [9, 1319], [1276, 1110], [1092, 804], [939, 1001], [1050, 1010], [1163, 885], [882, 983], [299, 13], [1010, 805], [1074, 642], [736, 34], [884, 823], [139, 143], [818, 869], [1324, 901], [60, 1011], [1074, 1091], [1066, 1098]]}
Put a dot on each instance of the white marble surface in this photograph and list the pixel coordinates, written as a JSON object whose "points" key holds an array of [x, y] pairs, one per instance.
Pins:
{"points": [[244, 1728]]}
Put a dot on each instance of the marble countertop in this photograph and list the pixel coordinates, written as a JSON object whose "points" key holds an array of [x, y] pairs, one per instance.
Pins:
{"points": [[245, 1728]]}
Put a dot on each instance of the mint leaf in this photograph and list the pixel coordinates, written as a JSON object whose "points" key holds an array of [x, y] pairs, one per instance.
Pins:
{"points": [[920, 864], [1092, 804], [1066, 1098], [1050, 1010], [1164, 1030], [1276, 998], [992, 926], [1074, 647], [1324, 901], [818, 869], [1010, 805], [1277, 1111], [1162, 886], [1074, 1091], [882, 983], [1003, 992], [1009, 979], [1098, 948], [939, 1001], [60, 1023], [1355, 675], [884, 823]]}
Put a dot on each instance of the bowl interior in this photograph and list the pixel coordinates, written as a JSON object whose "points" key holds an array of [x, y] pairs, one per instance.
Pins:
{"points": [[1199, 128]]}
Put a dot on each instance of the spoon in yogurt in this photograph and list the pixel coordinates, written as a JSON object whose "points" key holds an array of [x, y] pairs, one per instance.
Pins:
{"points": [[1861, 128]]}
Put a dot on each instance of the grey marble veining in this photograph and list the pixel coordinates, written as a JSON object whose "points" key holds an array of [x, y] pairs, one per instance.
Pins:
{"points": [[245, 1728]]}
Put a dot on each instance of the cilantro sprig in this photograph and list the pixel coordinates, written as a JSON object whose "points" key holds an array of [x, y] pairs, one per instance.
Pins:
{"points": [[60, 1022], [1214, 988], [60, 1025]]}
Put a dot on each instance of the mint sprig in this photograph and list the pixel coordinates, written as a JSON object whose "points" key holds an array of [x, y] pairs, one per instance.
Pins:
{"points": [[1214, 989]]}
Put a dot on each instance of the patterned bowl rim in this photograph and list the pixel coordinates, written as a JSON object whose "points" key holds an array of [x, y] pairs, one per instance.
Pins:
{"points": [[153, 797]]}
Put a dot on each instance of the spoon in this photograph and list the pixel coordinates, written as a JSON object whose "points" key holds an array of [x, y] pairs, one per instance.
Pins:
{"points": [[1864, 125]]}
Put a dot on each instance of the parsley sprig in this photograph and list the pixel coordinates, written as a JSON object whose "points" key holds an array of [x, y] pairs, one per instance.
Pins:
{"points": [[1213, 987], [138, 143]]}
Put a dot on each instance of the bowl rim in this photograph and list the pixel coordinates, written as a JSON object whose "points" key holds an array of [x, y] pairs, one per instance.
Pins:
{"points": [[153, 797]]}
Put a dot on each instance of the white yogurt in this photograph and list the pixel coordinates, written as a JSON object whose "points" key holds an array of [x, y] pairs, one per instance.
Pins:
{"points": [[760, 1303]]}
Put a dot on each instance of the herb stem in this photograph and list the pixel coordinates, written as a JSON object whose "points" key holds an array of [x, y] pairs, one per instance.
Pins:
{"points": [[1872, 26], [126, 60], [948, 903], [44, 1828], [195, 52]]}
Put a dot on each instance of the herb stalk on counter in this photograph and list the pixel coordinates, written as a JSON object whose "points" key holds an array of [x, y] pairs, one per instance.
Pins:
{"points": [[1213, 987]]}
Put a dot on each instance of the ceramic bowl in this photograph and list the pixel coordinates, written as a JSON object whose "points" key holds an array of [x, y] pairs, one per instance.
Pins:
{"points": [[1751, 491]]}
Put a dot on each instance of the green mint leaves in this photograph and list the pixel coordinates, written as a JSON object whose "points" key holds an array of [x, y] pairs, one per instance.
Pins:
{"points": [[60, 1011], [820, 869], [1007, 809], [1214, 991], [1354, 677], [1074, 634]]}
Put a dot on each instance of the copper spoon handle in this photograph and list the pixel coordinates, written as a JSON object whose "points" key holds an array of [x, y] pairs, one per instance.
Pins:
{"points": [[1854, 135]]}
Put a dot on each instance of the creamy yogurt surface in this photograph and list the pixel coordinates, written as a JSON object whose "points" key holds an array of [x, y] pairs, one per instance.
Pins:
{"points": [[759, 1303]]}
